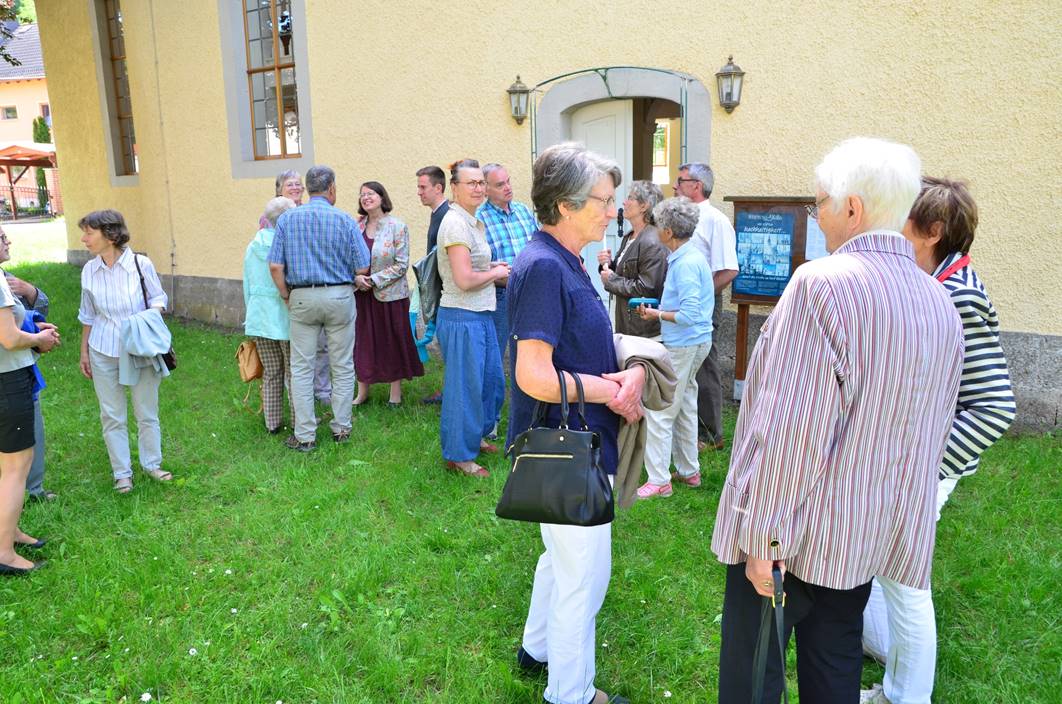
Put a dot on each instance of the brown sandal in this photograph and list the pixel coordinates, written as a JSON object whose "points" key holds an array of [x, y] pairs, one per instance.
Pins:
{"points": [[474, 471], [123, 485], [159, 474]]}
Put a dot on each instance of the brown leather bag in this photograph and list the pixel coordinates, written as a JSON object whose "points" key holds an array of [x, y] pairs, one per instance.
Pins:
{"points": [[248, 361]]}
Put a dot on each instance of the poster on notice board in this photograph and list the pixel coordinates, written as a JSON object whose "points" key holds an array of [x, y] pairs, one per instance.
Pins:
{"points": [[764, 249]]}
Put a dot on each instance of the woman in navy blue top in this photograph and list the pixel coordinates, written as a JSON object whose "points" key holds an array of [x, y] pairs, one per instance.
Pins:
{"points": [[558, 322]]}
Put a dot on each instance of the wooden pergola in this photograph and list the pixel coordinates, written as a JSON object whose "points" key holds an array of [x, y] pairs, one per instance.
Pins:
{"points": [[24, 154]]}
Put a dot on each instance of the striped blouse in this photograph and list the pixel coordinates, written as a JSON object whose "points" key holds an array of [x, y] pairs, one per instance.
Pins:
{"points": [[986, 402], [849, 398], [112, 294]]}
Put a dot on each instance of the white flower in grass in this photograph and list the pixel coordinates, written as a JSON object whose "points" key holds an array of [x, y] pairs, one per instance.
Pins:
{"points": [[228, 571], [667, 694], [303, 626], [145, 697], [604, 644], [232, 611], [74, 658], [193, 652]]}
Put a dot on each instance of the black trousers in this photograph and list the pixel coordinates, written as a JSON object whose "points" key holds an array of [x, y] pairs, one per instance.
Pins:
{"points": [[829, 633]]}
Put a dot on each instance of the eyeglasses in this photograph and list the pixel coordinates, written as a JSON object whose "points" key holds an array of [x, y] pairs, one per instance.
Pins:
{"points": [[680, 181], [368, 195], [813, 210], [473, 184], [609, 202]]}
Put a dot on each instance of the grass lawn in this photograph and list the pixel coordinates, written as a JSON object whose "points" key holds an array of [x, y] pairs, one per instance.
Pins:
{"points": [[365, 573]]}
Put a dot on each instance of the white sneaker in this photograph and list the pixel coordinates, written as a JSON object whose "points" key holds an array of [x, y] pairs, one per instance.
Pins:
{"points": [[874, 695]]}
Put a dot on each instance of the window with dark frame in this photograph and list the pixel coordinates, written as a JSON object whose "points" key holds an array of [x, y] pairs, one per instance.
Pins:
{"points": [[9, 112], [126, 161], [271, 78]]}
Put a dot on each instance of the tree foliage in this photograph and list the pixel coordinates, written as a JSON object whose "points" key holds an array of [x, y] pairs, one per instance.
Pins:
{"points": [[41, 133], [8, 20]]}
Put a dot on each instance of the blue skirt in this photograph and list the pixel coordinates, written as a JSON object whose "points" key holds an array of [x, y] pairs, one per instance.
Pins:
{"points": [[473, 382]]}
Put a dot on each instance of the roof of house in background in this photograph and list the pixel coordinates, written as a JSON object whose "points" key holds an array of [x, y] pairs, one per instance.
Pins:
{"points": [[24, 45]]}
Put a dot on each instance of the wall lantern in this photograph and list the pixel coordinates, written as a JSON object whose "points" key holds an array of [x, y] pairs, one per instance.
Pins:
{"points": [[518, 94], [729, 79]]}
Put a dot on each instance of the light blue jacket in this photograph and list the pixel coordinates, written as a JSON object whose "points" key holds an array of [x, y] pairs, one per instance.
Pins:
{"points": [[690, 293], [145, 338], [266, 316]]}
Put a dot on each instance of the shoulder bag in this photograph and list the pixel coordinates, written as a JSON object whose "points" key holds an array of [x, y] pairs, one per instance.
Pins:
{"points": [[429, 284], [248, 361], [170, 357], [556, 474]]}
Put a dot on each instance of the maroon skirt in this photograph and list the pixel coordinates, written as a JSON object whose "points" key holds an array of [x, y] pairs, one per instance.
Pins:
{"points": [[384, 350]]}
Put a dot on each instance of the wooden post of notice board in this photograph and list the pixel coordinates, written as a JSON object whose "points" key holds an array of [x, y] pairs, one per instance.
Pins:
{"points": [[772, 241]]}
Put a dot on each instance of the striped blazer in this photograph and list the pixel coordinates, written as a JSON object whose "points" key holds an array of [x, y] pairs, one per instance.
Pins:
{"points": [[986, 402], [848, 402]]}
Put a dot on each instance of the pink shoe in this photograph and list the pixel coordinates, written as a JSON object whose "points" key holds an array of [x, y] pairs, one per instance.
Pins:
{"points": [[649, 490], [694, 480]]}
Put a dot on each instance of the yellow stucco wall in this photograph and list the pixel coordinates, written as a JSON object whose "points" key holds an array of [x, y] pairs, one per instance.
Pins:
{"points": [[27, 96], [972, 86]]}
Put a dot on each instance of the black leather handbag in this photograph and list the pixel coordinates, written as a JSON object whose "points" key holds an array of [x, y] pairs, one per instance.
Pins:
{"points": [[556, 474]]}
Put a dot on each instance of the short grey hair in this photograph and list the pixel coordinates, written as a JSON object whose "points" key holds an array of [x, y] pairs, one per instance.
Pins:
{"points": [[319, 179], [277, 206], [490, 168], [679, 214], [284, 176], [885, 175], [648, 194], [565, 173], [703, 173]]}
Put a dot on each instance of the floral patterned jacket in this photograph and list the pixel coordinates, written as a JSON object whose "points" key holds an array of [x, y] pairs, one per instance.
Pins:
{"points": [[390, 259]]}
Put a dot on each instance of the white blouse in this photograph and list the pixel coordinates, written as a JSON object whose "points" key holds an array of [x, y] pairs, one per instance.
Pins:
{"points": [[111, 294]]}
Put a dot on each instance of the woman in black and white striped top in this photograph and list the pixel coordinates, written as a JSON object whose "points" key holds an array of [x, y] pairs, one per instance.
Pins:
{"points": [[941, 227]]}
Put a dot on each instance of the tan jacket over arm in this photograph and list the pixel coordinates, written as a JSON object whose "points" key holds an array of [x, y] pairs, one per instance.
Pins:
{"points": [[658, 394]]}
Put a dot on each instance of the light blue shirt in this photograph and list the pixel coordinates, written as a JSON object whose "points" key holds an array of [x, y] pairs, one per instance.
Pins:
{"points": [[266, 315], [689, 292]]}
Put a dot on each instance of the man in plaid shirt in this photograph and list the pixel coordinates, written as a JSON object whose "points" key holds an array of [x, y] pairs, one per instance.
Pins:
{"points": [[509, 228]]}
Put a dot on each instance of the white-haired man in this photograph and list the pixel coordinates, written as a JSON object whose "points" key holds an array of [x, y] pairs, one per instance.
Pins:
{"points": [[848, 403], [715, 238]]}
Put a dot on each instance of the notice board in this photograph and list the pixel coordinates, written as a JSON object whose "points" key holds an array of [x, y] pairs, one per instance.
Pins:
{"points": [[774, 236]]}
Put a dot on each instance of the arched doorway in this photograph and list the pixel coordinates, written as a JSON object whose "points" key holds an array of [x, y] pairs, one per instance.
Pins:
{"points": [[619, 111]]}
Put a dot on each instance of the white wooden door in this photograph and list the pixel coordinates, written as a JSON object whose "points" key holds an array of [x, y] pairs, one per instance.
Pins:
{"points": [[606, 128]]}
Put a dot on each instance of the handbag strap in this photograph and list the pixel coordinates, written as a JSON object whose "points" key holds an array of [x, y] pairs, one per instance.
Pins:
{"points": [[539, 415], [581, 400], [771, 607], [565, 408], [143, 286]]}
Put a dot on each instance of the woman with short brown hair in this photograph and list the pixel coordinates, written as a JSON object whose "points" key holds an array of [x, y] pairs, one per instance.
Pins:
{"points": [[899, 626]]}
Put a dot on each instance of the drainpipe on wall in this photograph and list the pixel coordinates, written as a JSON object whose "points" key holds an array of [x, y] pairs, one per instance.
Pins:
{"points": [[165, 162]]}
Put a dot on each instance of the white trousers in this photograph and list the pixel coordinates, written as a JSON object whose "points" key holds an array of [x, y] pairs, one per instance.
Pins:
{"points": [[114, 412], [570, 584], [899, 627], [671, 434]]}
